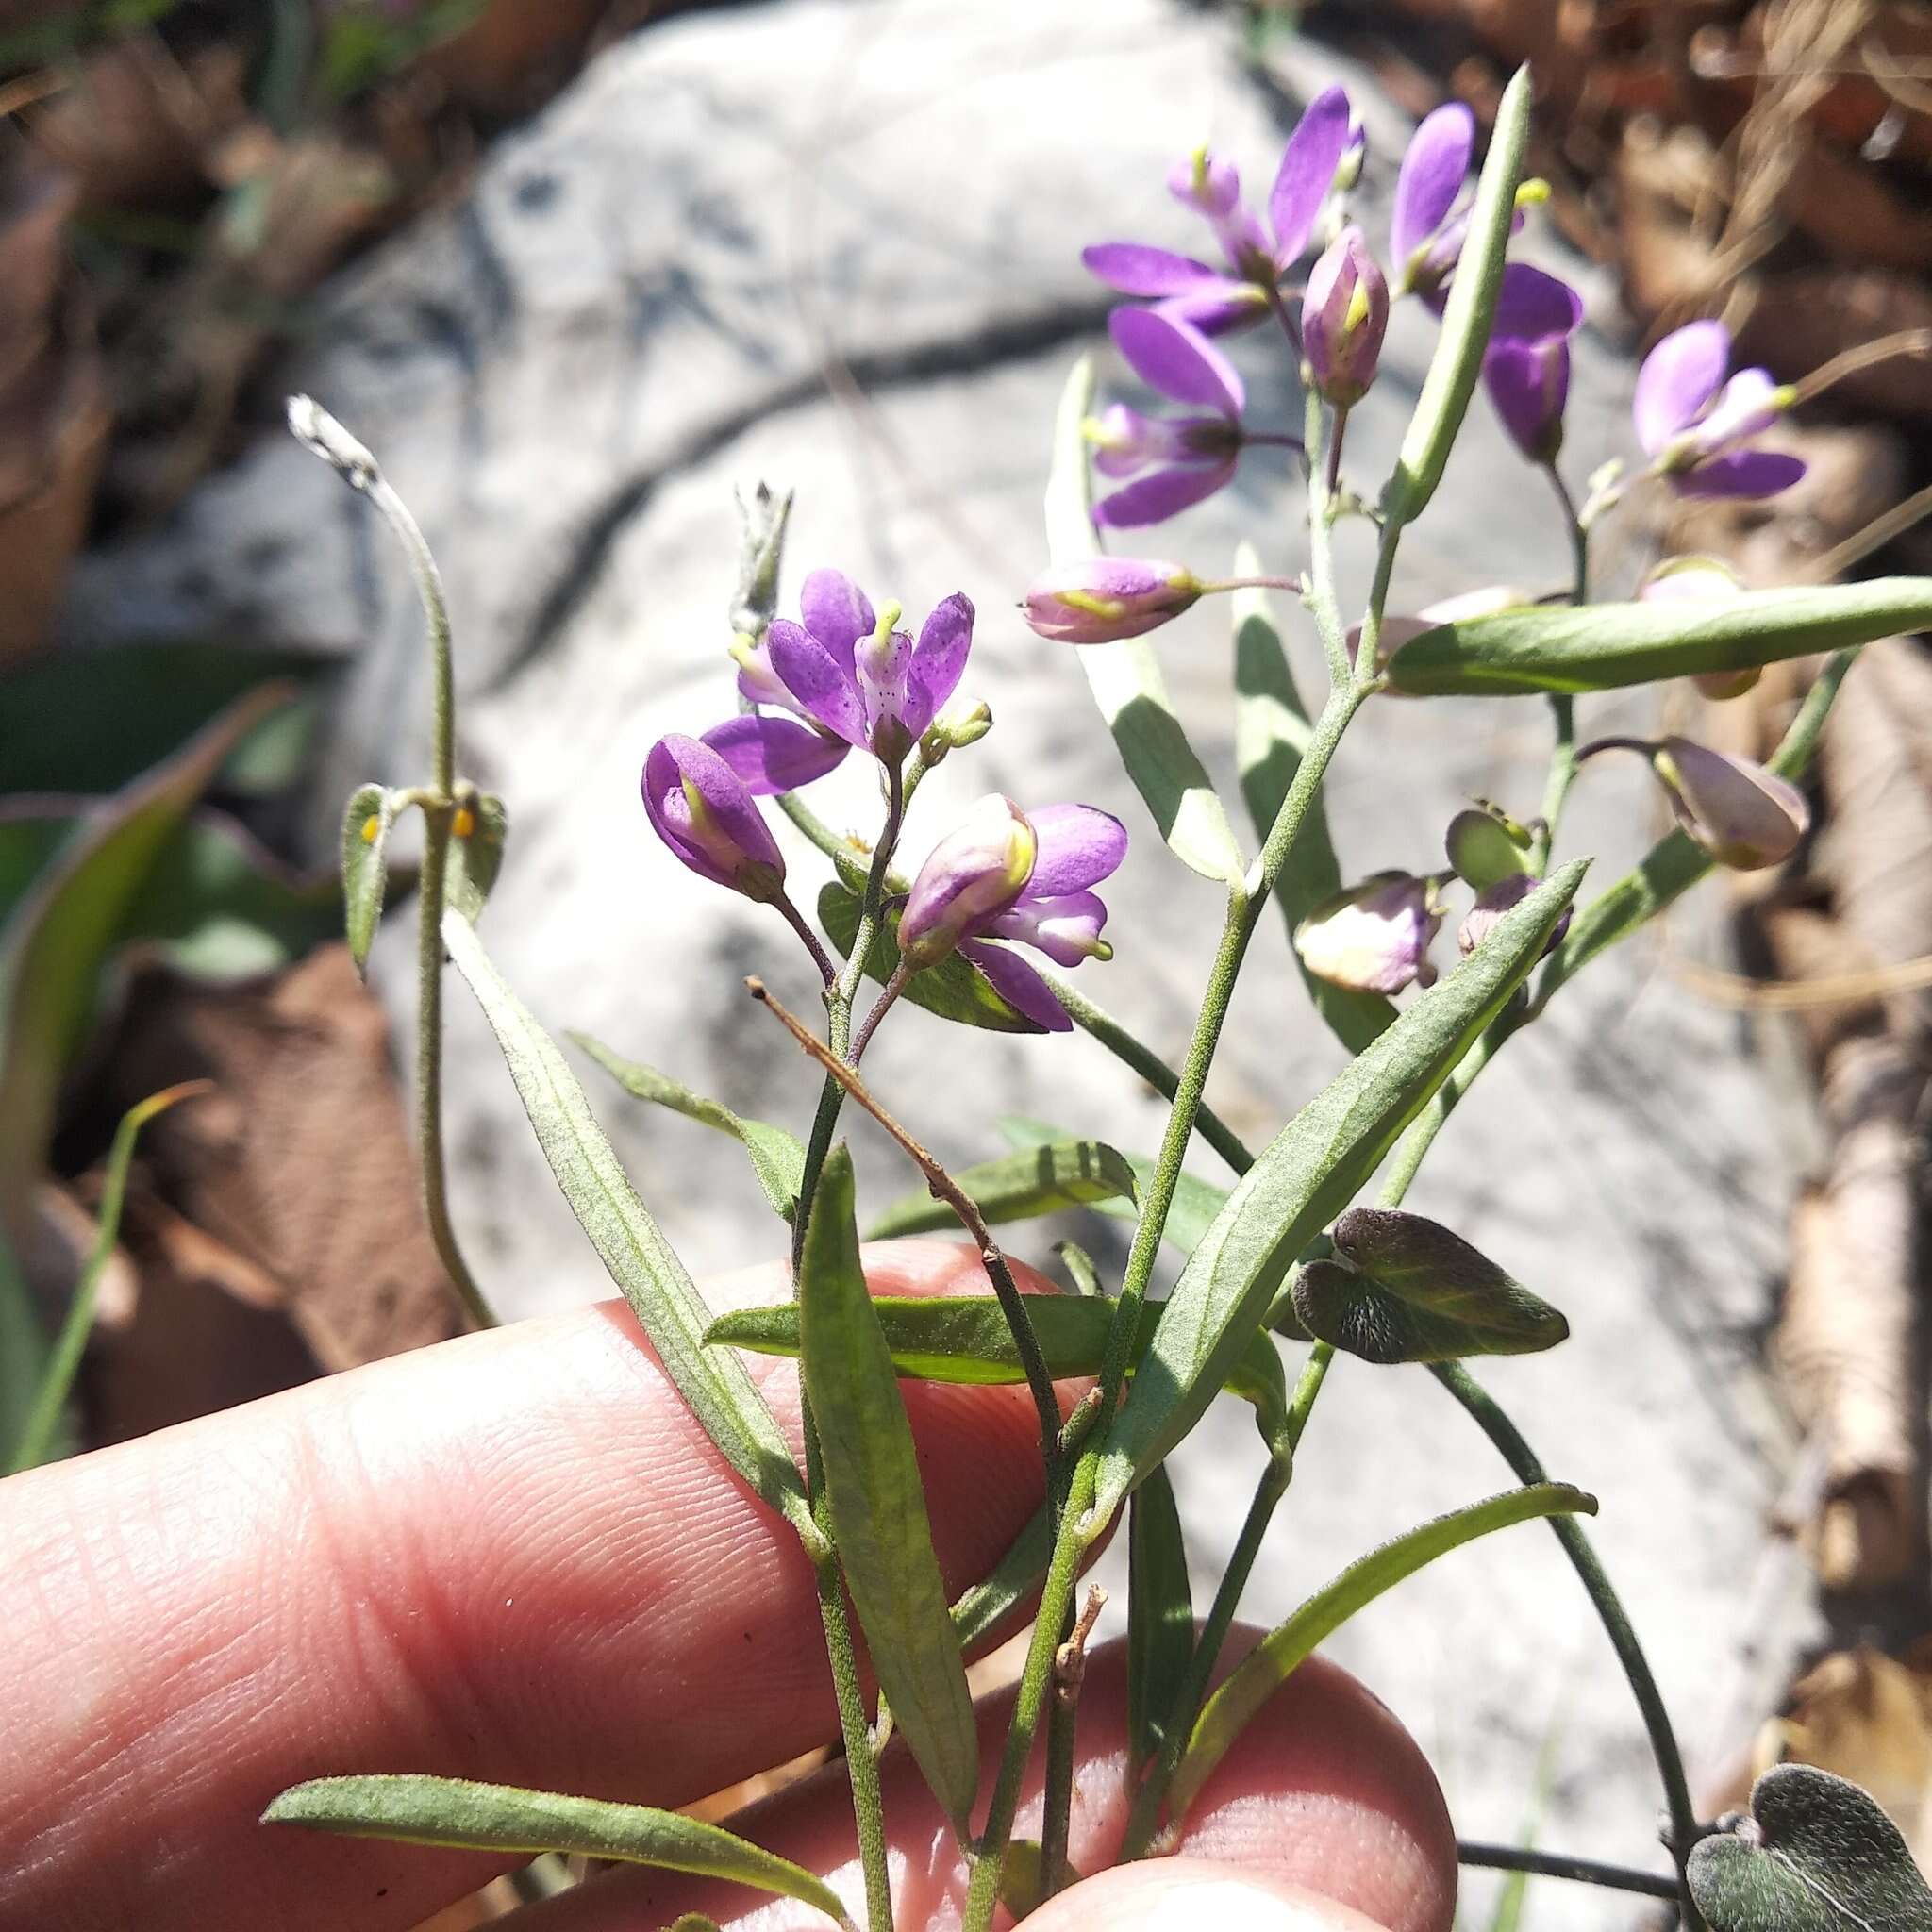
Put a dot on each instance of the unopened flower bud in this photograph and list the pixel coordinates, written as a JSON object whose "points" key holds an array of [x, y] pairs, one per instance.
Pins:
{"points": [[1743, 815], [1701, 580], [1344, 316], [974, 872], [955, 732], [1490, 905], [1103, 599], [1373, 937], [700, 807], [1206, 182]]}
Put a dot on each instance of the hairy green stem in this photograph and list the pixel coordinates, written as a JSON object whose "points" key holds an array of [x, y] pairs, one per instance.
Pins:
{"points": [[1325, 451]]}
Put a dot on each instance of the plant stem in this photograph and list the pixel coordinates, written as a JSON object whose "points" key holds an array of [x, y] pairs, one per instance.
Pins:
{"points": [[1560, 1865], [1325, 449], [1496, 1426], [796, 921], [1562, 707], [1062, 1709]]}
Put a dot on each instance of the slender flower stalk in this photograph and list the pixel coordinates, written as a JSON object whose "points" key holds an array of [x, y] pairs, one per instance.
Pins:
{"points": [[318, 431]]}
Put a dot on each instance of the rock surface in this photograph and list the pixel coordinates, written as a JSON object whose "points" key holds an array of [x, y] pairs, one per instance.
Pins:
{"points": [[835, 246]]}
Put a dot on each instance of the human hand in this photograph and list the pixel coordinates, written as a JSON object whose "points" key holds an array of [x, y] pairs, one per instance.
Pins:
{"points": [[516, 1558]]}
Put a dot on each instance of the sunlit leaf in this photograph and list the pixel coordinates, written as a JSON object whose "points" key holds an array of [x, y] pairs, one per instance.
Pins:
{"points": [[465, 1816], [1308, 1173], [642, 1264], [1195, 1202], [1268, 1666], [776, 1157], [1270, 733], [1160, 1614], [878, 1502], [1403, 1289], [1815, 1855], [1467, 317], [965, 1338], [1023, 1186], [1551, 647], [1126, 677], [476, 854], [367, 820]]}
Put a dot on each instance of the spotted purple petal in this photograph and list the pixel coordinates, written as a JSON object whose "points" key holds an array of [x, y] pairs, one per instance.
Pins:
{"points": [[1067, 929], [1431, 176], [939, 660], [1738, 473], [1531, 304], [1174, 358], [1079, 845], [700, 810], [1163, 493], [1018, 984], [1307, 174], [772, 755], [836, 611], [1135, 269], [1678, 378], [826, 690]]}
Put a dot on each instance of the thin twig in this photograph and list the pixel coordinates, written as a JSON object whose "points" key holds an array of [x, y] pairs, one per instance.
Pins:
{"points": [[1559, 1865], [944, 1188]]}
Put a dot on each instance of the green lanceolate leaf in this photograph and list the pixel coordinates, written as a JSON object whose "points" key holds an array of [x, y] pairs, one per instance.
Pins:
{"points": [[1309, 1173], [1125, 676], [366, 822], [37, 1438], [954, 989], [1602, 646], [1270, 733], [776, 1157], [1816, 1854], [1467, 318], [1408, 1289], [1040, 1180], [878, 1506], [642, 1264], [476, 854], [1195, 1202], [1268, 1666], [1160, 1614], [964, 1338], [52, 949], [465, 1816]]}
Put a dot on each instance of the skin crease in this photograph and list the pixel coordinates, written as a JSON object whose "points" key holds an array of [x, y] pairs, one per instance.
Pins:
{"points": [[454, 1562]]}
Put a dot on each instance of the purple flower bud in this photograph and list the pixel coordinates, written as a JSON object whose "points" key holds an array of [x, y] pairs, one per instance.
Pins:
{"points": [[1490, 905], [975, 871], [1373, 937], [1701, 580], [1103, 599], [701, 809], [1743, 815], [1345, 315], [1529, 383]]}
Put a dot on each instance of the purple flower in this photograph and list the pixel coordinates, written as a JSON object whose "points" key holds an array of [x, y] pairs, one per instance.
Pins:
{"points": [[772, 754], [1345, 315], [1004, 874], [863, 681], [1528, 380], [1373, 937], [700, 808], [1195, 455], [1216, 300], [1495, 900], [1697, 428], [1102, 599]]}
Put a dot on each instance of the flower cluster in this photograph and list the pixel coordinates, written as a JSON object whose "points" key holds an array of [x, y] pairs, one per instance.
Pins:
{"points": [[844, 677]]}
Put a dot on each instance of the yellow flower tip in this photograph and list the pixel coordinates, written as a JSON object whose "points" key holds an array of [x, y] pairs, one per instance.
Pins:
{"points": [[1533, 192], [464, 823], [371, 828]]}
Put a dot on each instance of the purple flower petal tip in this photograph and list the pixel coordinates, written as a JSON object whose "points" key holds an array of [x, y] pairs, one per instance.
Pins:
{"points": [[1169, 354], [769, 756], [1434, 167], [1307, 174]]}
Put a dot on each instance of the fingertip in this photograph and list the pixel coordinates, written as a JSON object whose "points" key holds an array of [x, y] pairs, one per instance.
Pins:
{"points": [[1184, 1894]]}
